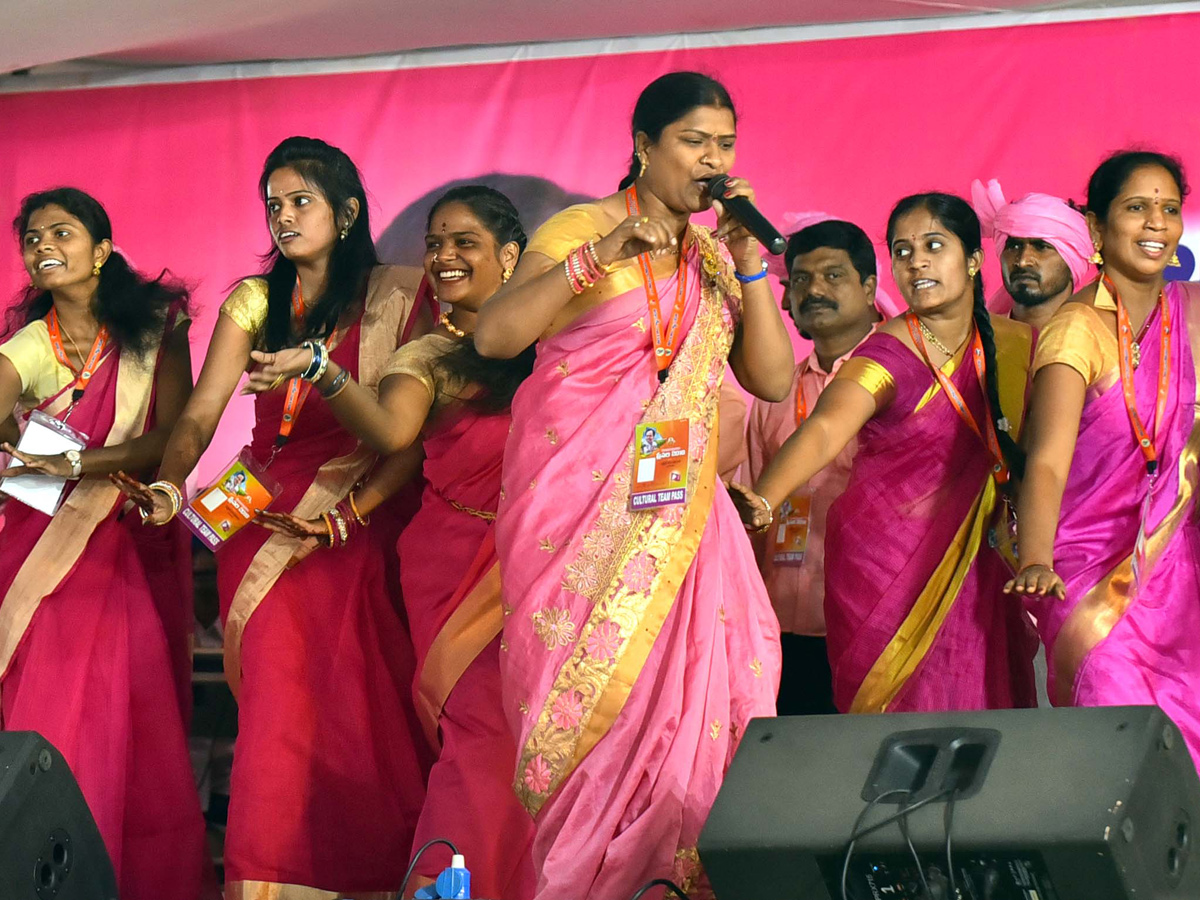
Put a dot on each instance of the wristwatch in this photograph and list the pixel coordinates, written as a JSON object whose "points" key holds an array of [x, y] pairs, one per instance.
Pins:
{"points": [[76, 461]]}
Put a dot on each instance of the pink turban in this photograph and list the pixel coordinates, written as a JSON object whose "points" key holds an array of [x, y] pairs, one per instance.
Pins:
{"points": [[798, 221], [1039, 216]]}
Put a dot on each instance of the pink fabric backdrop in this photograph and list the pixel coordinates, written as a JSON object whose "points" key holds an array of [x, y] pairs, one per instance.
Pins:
{"points": [[847, 125]]}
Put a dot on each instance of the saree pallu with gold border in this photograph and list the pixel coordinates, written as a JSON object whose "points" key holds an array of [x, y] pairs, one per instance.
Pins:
{"points": [[638, 644], [916, 615], [1117, 639], [89, 655], [329, 765]]}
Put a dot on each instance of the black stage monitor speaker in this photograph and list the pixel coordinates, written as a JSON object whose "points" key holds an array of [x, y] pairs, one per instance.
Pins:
{"points": [[50, 848], [1062, 804]]}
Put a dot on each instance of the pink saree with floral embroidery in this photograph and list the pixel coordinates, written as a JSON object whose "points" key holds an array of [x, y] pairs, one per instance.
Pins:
{"points": [[637, 644]]}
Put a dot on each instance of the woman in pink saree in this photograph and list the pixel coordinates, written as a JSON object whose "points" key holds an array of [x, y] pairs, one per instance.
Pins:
{"points": [[329, 765], [638, 641], [919, 622], [437, 393], [1110, 548], [88, 649]]}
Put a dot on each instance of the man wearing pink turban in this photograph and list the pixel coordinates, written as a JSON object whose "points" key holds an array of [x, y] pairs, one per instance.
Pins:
{"points": [[1043, 245]]}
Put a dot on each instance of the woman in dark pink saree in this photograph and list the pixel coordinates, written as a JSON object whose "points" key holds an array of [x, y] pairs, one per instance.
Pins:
{"points": [[1110, 547], [639, 639], [89, 651], [329, 765], [919, 622], [438, 395]]}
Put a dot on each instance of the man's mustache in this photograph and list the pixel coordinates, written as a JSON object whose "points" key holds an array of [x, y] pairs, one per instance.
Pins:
{"points": [[812, 303]]}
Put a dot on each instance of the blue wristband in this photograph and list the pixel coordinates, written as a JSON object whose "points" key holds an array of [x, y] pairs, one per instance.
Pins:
{"points": [[746, 279]]}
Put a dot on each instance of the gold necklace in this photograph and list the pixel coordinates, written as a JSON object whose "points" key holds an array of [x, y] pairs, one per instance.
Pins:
{"points": [[932, 338], [444, 318]]}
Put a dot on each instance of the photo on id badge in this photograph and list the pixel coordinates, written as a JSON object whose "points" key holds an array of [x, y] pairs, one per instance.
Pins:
{"points": [[660, 464]]}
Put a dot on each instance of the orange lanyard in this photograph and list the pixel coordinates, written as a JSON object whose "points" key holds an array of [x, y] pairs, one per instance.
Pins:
{"points": [[665, 342], [297, 389], [84, 375], [801, 405], [1125, 339], [989, 437]]}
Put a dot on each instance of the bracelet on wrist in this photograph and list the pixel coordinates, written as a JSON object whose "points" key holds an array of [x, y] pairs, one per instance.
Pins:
{"points": [[746, 279], [173, 494], [340, 380], [770, 515]]}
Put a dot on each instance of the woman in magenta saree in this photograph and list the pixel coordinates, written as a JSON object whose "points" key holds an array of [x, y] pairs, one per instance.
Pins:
{"points": [[87, 658], [638, 642], [919, 622], [329, 766], [1116, 589], [438, 394]]}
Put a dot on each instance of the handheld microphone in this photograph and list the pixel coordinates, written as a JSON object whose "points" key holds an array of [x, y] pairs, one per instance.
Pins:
{"points": [[747, 213]]}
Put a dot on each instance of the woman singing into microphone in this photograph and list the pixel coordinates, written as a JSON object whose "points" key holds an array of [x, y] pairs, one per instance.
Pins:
{"points": [[639, 639]]}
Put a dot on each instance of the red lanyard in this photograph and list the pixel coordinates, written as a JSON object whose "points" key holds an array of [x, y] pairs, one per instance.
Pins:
{"points": [[84, 375], [297, 389], [665, 344], [1125, 339], [989, 437], [801, 405]]}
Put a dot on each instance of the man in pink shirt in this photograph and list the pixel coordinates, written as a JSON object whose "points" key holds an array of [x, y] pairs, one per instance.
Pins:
{"points": [[831, 296]]}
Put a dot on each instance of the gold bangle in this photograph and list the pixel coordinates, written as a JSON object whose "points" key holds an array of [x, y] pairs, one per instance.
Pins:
{"points": [[329, 525], [358, 517]]}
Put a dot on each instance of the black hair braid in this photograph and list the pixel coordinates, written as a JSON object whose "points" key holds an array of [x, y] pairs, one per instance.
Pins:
{"points": [[1013, 455]]}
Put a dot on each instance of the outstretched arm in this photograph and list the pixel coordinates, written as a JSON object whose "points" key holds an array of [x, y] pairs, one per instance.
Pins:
{"points": [[387, 424], [841, 412]]}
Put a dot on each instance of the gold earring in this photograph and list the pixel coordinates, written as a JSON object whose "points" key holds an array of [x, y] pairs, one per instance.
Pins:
{"points": [[1175, 260], [971, 271], [96, 270], [645, 164], [345, 232], [507, 273], [1096, 259]]}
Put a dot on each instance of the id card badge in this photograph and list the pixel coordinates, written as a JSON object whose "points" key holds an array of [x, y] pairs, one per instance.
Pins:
{"points": [[44, 435], [660, 463], [791, 534], [219, 511]]}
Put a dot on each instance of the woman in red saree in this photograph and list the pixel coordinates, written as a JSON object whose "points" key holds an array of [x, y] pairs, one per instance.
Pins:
{"points": [[438, 391], [1110, 548], [936, 397], [88, 657], [639, 642], [329, 765]]}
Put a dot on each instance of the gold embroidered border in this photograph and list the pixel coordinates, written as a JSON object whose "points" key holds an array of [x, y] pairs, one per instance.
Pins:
{"points": [[923, 623], [592, 691]]}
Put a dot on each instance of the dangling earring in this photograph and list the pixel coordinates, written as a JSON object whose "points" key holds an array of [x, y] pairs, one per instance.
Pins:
{"points": [[345, 232], [1175, 260], [1096, 259], [96, 270], [507, 273], [645, 164]]}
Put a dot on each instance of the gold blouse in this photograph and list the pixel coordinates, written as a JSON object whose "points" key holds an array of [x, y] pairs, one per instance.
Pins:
{"points": [[1078, 337], [420, 359], [870, 375], [247, 306], [42, 375]]}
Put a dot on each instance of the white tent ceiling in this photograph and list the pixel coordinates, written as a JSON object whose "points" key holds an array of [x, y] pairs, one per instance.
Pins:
{"points": [[154, 33]]}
